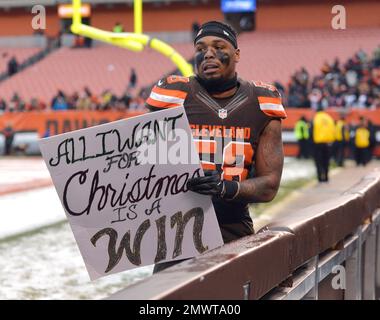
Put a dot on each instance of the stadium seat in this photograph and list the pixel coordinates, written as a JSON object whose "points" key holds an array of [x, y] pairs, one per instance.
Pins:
{"points": [[265, 55], [99, 68]]}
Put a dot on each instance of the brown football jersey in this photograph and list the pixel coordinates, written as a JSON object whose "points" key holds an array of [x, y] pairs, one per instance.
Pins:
{"points": [[226, 131]]}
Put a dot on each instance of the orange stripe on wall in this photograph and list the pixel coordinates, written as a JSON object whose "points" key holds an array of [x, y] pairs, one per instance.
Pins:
{"points": [[60, 121], [64, 121], [35, 121]]}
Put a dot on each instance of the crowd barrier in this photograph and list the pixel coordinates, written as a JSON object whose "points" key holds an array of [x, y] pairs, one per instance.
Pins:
{"points": [[296, 257]]}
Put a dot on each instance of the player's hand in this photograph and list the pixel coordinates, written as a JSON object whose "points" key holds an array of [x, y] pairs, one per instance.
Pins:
{"points": [[210, 184], [213, 185]]}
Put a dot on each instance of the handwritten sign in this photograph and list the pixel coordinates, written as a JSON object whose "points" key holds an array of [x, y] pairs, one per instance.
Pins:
{"points": [[123, 188]]}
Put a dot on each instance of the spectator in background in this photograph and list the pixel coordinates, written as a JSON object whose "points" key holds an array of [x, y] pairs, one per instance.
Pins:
{"points": [[87, 42], [376, 56], [118, 28], [363, 92], [79, 42], [16, 103], [60, 104], [88, 92], [33, 105], [72, 101], [9, 136], [83, 102], [301, 131], [126, 98], [106, 100], [303, 77], [336, 66], [42, 104], [351, 78], [350, 98], [59, 94], [12, 66], [132, 79], [376, 76], [144, 94], [362, 56], [326, 68], [59, 38], [315, 98], [3, 105]]}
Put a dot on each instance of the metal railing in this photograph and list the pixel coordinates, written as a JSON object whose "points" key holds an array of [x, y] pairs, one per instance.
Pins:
{"points": [[295, 257], [359, 255]]}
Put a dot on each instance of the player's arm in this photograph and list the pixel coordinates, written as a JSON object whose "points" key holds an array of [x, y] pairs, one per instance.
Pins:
{"points": [[269, 163], [264, 185]]}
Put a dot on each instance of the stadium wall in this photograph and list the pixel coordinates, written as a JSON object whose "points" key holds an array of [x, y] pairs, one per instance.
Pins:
{"points": [[300, 14], [56, 122], [271, 15]]}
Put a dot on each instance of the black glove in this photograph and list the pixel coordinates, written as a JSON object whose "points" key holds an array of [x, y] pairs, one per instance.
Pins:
{"points": [[212, 184]]}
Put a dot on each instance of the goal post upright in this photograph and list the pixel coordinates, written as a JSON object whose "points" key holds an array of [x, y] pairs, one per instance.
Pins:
{"points": [[134, 41]]}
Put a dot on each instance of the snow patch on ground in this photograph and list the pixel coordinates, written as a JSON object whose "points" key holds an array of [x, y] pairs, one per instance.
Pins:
{"points": [[26, 211], [297, 169], [48, 264]]}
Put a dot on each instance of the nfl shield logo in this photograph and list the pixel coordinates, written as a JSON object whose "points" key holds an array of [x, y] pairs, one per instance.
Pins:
{"points": [[222, 113]]}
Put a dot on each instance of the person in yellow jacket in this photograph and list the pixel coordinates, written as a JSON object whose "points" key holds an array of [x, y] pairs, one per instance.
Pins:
{"points": [[301, 132], [362, 143], [323, 135]]}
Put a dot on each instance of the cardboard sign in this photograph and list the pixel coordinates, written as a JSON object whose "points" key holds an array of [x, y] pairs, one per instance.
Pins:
{"points": [[123, 188]]}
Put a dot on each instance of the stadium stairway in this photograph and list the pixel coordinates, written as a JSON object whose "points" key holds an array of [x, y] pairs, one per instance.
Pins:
{"points": [[21, 55], [26, 57]]}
